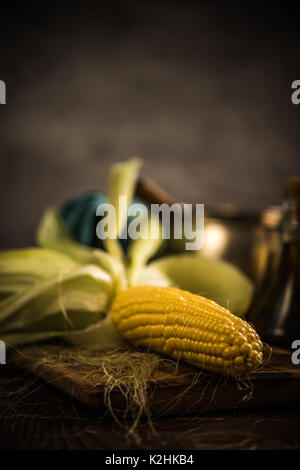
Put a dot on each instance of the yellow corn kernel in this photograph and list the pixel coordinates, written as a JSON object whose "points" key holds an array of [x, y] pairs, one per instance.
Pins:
{"points": [[188, 327]]}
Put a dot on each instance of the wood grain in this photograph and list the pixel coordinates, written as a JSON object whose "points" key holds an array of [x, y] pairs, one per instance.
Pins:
{"points": [[171, 391], [36, 415]]}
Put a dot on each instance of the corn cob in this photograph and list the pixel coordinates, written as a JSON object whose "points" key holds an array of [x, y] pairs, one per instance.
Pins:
{"points": [[188, 327]]}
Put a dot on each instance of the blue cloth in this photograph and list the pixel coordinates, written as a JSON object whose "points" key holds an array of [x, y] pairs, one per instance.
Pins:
{"points": [[79, 215]]}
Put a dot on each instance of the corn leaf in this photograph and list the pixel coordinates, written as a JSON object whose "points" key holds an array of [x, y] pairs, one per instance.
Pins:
{"points": [[101, 336], [122, 181], [144, 248], [215, 279], [20, 269], [68, 303], [53, 234]]}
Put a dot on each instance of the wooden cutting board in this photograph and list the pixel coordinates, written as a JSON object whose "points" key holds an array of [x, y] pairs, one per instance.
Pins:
{"points": [[170, 390]]}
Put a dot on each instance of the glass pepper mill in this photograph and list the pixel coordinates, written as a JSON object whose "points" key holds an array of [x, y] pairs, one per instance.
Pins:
{"points": [[277, 317]]}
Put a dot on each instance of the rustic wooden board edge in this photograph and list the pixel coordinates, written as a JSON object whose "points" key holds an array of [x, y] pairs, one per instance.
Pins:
{"points": [[278, 384]]}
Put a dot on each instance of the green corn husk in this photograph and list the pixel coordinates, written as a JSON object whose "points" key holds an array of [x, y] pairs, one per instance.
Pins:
{"points": [[66, 303], [122, 182], [64, 289], [144, 248], [20, 269], [52, 234], [216, 279]]}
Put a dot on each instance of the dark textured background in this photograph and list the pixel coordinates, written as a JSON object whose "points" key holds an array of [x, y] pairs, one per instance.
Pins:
{"points": [[201, 93]]}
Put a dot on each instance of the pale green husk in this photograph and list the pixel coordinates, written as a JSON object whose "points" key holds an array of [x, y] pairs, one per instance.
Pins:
{"points": [[122, 181], [20, 269], [63, 289], [212, 278]]}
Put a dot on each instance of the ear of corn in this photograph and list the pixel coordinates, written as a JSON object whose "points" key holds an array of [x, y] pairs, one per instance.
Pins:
{"points": [[188, 327]]}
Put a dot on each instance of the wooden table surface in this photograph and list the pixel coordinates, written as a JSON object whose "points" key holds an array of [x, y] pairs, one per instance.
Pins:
{"points": [[35, 415]]}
